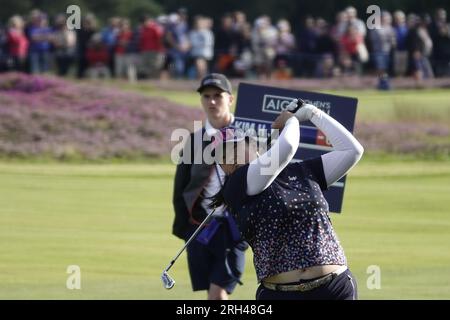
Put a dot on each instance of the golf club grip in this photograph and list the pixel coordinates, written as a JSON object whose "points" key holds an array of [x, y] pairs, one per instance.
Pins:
{"points": [[300, 103]]}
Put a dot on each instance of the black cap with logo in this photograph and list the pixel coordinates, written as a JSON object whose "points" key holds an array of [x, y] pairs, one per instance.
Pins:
{"points": [[216, 80]]}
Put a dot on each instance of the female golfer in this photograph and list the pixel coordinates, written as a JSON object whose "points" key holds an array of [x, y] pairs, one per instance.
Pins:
{"points": [[282, 212]]}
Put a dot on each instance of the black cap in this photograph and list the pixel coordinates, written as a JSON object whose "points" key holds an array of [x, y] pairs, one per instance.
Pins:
{"points": [[216, 80]]}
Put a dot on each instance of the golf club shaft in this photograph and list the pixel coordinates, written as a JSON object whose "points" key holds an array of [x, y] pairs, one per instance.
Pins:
{"points": [[197, 231]]}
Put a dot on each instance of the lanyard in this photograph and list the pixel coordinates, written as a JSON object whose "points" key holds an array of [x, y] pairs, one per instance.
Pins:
{"points": [[218, 174], [235, 234]]}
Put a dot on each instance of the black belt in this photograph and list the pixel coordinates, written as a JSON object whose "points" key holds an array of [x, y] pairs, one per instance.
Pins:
{"points": [[307, 286]]}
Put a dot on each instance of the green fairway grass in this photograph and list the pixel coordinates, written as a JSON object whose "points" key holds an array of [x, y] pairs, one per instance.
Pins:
{"points": [[114, 222], [430, 104]]}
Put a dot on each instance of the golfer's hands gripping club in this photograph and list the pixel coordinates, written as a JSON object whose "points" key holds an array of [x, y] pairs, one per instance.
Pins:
{"points": [[293, 106], [306, 112], [281, 120], [302, 110]]}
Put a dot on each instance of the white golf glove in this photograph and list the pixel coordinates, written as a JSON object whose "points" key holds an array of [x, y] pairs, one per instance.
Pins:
{"points": [[306, 112], [292, 105]]}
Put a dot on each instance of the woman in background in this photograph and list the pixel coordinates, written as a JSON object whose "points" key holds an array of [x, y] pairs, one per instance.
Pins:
{"points": [[202, 45], [17, 43]]}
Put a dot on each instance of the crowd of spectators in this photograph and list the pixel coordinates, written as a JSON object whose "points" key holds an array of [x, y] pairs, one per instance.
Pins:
{"points": [[179, 46]]}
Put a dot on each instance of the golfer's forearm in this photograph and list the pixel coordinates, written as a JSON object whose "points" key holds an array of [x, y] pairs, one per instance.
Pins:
{"points": [[263, 170], [347, 150]]}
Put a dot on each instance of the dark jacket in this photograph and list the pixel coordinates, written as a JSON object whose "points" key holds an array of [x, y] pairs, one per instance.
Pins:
{"points": [[190, 180]]}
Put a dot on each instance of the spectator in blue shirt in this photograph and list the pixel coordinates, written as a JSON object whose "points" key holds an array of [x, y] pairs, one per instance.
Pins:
{"points": [[400, 64], [177, 44], [201, 39], [40, 35], [109, 38]]}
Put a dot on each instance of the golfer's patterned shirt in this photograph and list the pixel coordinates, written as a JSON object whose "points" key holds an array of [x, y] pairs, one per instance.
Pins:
{"points": [[287, 225]]}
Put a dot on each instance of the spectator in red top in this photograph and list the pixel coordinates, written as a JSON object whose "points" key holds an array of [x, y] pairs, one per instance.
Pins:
{"points": [[97, 57], [17, 43], [350, 40], [151, 47], [121, 50], [352, 50]]}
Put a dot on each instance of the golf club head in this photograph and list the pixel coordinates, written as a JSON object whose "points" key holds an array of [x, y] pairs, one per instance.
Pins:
{"points": [[168, 282]]}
